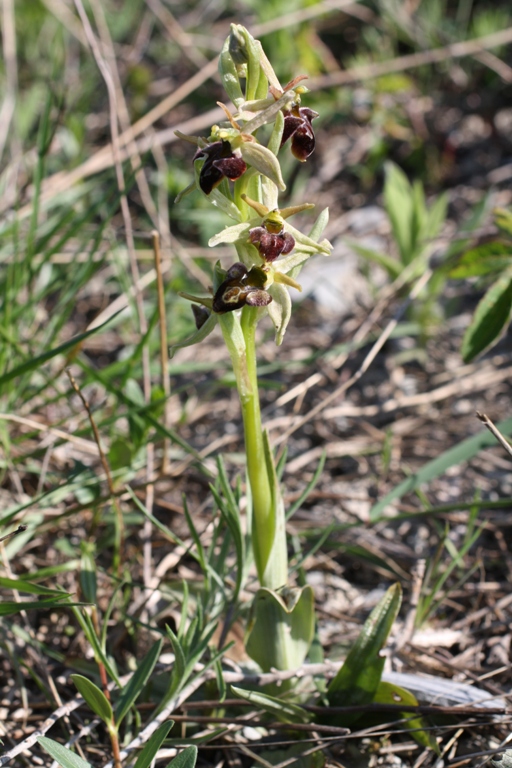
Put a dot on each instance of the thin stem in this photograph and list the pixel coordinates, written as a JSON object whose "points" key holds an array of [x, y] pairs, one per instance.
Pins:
{"points": [[262, 518]]}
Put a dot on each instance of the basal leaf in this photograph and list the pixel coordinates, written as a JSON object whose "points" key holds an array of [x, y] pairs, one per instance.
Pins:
{"points": [[389, 693], [358, 679]]}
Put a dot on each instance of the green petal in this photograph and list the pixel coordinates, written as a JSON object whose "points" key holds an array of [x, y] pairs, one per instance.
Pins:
{"points": [[280, 310]]}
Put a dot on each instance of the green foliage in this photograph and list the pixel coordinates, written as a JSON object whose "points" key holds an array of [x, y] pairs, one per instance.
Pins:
{"points": [[95, 698], [145, 759], [64, 756], [358, 679], [489, 260], [464, 451]]}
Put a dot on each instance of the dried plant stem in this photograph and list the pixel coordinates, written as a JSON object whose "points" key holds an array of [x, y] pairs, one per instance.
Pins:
{"points": [[19, 529], [495, 431], [106, 468], [164, 352]]}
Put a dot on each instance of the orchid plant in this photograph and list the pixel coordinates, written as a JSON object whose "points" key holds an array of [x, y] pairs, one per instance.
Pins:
{"points": [[242, 177]]}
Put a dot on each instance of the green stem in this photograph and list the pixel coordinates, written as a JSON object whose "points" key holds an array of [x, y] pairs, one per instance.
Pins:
{"points": [[268, 528], [262, 519]]}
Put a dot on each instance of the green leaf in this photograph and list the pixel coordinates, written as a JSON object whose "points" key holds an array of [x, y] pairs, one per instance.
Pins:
{"points": [[147, 755], [483, 260], [398, 201], [491, 316], [283, 710], [137, 682], [26, 586], [389, 693], [88, 571], [464, 451], [94, 697], [64, 756], [358, 679], [179, 671], [281, 627], [185, 759], [8, 608]]}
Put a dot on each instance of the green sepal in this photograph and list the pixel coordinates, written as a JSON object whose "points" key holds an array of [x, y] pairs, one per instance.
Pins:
{"points": [[264, 161], [319, 225], [324, 246], [274, 143], [280, 310], [281, 627], [229, 73], [358, 679], [196, 337]]}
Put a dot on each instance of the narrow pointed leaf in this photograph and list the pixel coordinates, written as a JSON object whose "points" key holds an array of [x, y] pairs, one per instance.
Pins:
{"points": [[137, 682], [359, 677], [26, 586], [8, 608], [146, 757]]}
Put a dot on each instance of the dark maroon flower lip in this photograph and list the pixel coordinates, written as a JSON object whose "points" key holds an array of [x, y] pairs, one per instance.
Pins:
{"points": [[241, 287], [271, 245], [221, 162], [298, 128]]}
